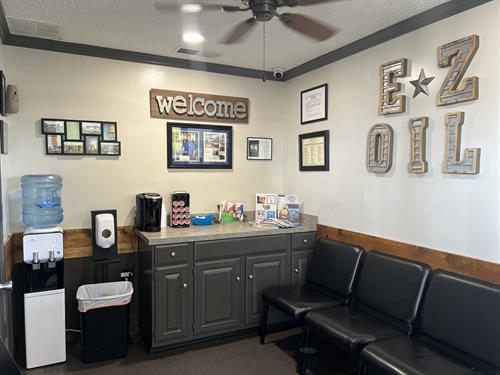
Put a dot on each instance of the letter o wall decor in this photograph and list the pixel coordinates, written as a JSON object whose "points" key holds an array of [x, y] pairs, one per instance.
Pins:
{"points": [[379, 148]]}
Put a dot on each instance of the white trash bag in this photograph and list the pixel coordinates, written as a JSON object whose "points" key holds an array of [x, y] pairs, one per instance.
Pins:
{"points": [[95, 296]]}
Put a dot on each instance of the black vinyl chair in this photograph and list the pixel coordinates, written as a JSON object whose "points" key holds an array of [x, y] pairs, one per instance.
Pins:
{"points": [[385, 305], [459, 333], [330, 282]]}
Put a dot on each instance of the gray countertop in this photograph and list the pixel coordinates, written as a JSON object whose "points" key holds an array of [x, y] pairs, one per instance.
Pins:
{"points": [[221, 231]]}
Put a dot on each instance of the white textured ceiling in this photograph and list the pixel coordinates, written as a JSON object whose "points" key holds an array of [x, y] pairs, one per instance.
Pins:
{"points": [[137, 26]]}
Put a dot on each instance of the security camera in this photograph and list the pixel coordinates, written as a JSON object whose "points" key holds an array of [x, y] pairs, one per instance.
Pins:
{"points": [[278, 73]]}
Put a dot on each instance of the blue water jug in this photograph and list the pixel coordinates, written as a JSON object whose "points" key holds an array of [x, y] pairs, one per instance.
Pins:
{"points": [[42, 200]]}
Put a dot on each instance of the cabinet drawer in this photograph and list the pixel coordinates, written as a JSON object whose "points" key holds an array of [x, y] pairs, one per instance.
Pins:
{"points": [[173, 254], [302, 241], [239, 246]]}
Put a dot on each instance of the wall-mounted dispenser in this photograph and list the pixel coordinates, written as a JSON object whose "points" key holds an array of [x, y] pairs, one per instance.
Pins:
{"points": [[104, 235]]}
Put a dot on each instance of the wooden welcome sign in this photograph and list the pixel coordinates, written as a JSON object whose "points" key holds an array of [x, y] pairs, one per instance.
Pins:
{"points": [[191, 106]]}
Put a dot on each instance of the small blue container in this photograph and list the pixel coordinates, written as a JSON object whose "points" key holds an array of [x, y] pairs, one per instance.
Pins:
{"points": [[42, 200], [203, 220]]}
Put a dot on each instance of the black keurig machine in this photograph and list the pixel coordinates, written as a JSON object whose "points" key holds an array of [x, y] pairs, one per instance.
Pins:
{"points": [[148, 212]]}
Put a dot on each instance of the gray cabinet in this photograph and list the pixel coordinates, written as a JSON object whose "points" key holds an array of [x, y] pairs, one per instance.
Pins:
{"points": [[262, 271], [301, 261], [174, 303], [218, 300]]}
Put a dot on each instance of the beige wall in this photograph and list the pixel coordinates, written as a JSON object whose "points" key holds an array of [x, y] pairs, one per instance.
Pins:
{"points": [[69, 86], [459, 214]]}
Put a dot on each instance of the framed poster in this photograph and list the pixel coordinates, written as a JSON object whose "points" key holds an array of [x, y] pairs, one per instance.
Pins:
{"points": [[259, 148], [314, 104], [314, 151], [198, 146]]}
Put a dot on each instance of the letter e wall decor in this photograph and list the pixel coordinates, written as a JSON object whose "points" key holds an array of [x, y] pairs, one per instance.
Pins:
{"points": [[379, 148], [390, 103], [452, 163]]}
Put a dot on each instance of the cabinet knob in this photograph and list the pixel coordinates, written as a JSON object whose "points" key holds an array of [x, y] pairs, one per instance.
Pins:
{"points": [[173, 254], [250, 277], [306, 242], [184, 286], [296, 270], [238, 279]]}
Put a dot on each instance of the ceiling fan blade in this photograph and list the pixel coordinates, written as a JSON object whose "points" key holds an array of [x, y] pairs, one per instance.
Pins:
{"points": [[307, 26], [293, 3], [195, 7], [238, 32]]}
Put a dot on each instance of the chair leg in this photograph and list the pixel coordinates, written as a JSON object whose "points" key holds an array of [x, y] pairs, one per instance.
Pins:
{"points": [[263, 323], [362, 369], [302, 360]]}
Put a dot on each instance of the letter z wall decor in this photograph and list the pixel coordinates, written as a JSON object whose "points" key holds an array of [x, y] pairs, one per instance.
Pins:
{"points": [[458, 55], [190, 106]]}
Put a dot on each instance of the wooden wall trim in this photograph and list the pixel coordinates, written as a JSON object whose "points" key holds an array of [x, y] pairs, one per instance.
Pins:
{"points": [[77, 244], [477, 268]]}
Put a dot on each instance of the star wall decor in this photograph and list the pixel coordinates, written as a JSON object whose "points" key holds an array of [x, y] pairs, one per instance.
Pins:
{"points": [[421, 83]]}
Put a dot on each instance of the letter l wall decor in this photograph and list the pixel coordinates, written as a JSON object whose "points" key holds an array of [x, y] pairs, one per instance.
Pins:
{"points": [[452, 163]]}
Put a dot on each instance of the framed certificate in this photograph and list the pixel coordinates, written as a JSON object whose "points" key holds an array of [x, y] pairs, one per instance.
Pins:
{"points": [[314, 151], [314, 104], [259, 148]]}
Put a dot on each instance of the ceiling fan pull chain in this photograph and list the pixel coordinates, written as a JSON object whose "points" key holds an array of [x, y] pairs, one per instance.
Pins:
{"points": [[264, 52]]}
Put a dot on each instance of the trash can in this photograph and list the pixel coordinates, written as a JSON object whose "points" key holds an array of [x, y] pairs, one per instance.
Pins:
{"points": [[104, 318]]}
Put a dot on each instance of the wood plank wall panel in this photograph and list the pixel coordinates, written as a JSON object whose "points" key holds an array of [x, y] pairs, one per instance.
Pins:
{"points": [[77, 244], [479, 269]]}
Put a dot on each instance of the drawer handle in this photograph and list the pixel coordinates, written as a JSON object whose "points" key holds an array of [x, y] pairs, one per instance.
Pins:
{"points": [[173, 254], [185, 286], [238, 279], [250, 277], [296, 270], [306, 242]]}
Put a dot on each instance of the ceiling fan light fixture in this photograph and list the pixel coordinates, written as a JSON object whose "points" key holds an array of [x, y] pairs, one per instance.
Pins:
{"points": [[193, 38], [191, 8]]}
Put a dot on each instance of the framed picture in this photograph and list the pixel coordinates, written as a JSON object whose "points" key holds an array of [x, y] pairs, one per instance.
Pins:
{"points": [[91, 128], [3, 93], [50, 126], [259, 148], [111, 148], [314, 104], [314, 151], [73, 131], [73, 148], [4, 148], [109, 131], [199, 146], [92, 145], [53, 144]]}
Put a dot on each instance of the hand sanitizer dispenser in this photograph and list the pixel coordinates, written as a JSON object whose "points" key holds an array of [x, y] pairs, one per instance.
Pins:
{"points": [[104, 233]]}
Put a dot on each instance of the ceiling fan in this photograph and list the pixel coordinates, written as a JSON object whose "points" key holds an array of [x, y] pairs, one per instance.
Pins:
{"points": [[262, 11]]}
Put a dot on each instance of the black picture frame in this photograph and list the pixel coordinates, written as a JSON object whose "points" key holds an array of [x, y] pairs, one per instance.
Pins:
{"points": [[3, 93], [325, 104], [250, 157], [64, 143], [326, 150], [104, 143], [98, 149], [199, 131], [49, 149], [61, 128], [44, 130]]}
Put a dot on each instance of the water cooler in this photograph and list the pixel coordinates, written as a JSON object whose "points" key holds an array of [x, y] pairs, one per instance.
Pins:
{"points": [[43, 255]]}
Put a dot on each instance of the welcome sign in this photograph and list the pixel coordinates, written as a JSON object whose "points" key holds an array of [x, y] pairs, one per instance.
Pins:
{"points": [[191, 106]]}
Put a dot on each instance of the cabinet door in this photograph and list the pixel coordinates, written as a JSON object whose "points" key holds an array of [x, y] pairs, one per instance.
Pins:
{"points": [[219, 289], [174, 296], [301, 261], [262, 271]]}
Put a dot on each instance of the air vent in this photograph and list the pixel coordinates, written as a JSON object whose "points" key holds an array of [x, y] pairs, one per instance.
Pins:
{"points": [[187, 51], [25, 27]]}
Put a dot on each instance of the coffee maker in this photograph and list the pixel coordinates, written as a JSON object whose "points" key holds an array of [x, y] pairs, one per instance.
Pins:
{"points": [[148, 212]]}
